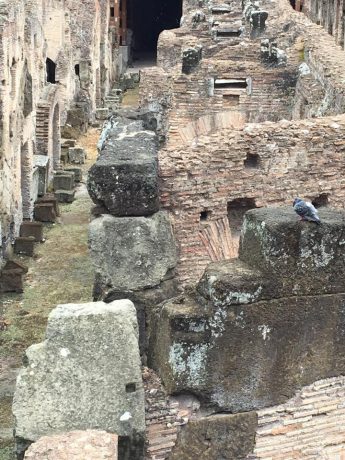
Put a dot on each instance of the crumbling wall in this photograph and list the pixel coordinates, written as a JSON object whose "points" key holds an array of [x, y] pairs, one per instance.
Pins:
{"points": [[267, 164]]}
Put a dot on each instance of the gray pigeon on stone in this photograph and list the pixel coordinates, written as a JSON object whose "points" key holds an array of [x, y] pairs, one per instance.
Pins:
{"points": [[306, 211]]}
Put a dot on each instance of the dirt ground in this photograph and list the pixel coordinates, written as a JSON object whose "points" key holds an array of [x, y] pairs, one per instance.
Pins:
{"points": [[60, 272]]}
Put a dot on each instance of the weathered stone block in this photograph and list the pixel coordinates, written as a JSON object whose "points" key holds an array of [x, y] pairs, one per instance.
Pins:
{"points": [[78, 173], [11, 277], [102, 113], [63, 181], [227, 437], [65, 196], [258, 329], [308, 258], [24, 245], [131, 253], [45, 212], [78, 378], [125, 177], [50, 198], [76, 155], [75, 445], [34, 229]]}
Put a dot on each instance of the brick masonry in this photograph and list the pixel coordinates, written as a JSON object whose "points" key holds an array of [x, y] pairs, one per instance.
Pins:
{"points": [[310, 426]]}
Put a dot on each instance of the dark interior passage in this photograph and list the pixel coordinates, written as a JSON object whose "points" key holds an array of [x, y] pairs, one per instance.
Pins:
{"points": [[146, 19]]}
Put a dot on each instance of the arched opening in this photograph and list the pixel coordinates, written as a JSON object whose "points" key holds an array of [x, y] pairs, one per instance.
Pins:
{"points": [[25, 181], [51, 71], [144, 21], [56, 137]]}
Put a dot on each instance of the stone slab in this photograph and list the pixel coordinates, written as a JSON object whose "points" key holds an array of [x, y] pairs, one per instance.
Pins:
{"points": [[78, 377], [78, 173], [45, 212], [125, 177]]}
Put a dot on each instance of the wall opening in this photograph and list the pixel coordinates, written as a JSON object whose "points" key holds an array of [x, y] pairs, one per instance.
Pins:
{"points": [[112, 11], [146, 20], [77, 70], [236, 211], [204, 215], [51, 71], [321, 200], [228, 33], [252, 161], [230, 83]]}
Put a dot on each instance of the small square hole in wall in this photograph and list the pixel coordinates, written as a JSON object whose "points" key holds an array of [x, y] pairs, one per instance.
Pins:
{"points": [[252, 161], [131, 387], [204, 215]]}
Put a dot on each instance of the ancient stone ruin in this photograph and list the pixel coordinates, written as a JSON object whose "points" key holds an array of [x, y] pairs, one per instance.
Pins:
{"points": [[216, 325]]}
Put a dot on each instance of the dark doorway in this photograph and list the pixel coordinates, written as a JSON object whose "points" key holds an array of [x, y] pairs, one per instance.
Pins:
{"points": [[146, 20], [51, 69]]}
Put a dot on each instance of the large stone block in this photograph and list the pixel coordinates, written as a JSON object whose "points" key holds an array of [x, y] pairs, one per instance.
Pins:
{"points": [[221, 436], [304, 257], [125, 177], [259, 328], [85, 375], [131, 253]]}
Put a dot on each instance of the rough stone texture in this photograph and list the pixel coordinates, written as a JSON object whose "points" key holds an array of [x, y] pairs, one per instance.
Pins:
{"points": [[11, 277], [131, 253], [249, 339], [76, 155], [309, 258], [217, 437], [85, 375], [75, 445], [125, 177]]}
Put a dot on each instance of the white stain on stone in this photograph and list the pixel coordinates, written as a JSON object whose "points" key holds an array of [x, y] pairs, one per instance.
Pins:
{"points": [[188, 362], [64, 352], [265, 330]]}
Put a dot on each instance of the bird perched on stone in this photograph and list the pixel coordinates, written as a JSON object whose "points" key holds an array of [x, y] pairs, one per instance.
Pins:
{"points": [[306, 210]]}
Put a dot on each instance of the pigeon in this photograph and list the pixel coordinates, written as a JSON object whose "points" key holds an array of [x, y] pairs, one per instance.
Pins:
{"points": [[306, 211]]}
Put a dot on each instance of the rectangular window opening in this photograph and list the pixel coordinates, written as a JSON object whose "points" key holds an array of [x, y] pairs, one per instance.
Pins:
{"points": [[112, 11], [228, 33], [231, 83]]}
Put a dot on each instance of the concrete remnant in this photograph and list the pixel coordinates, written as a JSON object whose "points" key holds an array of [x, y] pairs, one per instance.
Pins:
{"points": [[85, 375]]}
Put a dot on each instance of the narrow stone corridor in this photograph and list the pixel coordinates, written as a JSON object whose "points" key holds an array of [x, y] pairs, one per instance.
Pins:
{"points": [[60, 272]]}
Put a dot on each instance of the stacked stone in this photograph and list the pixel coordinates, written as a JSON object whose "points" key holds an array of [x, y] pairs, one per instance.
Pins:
{"points": [[131, 241]]}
